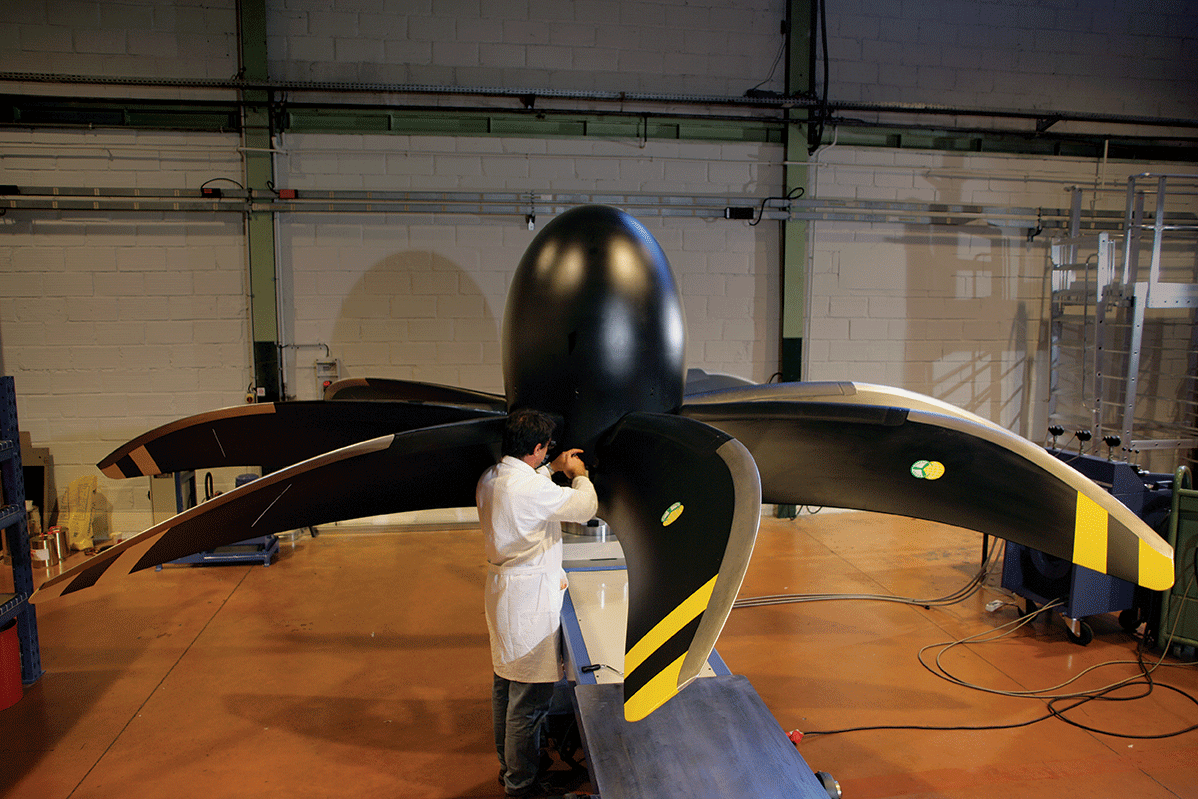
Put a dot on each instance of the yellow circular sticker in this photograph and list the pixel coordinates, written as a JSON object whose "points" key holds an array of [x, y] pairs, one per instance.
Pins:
{"points": [[927, 470], [671, 515]]}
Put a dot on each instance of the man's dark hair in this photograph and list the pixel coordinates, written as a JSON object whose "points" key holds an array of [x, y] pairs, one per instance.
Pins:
{"points": [[525, 429]]}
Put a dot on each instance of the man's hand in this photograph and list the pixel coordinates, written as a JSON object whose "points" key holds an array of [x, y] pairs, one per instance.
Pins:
{"points": [[570, 463]]}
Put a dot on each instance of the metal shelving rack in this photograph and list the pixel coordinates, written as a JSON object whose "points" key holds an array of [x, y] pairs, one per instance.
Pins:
{"points": [[14, 523], [1124, 325]]}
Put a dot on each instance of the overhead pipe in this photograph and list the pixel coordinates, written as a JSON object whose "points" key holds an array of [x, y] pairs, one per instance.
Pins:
{"points": [[528, 97]]}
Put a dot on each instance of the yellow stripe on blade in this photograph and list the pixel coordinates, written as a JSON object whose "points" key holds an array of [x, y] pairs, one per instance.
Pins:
{"points": [[1156, 570], [1090, 534], [665, 629], [654, 693]]}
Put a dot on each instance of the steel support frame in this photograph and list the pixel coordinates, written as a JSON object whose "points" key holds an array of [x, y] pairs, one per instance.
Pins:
{"points": [[801, 30], [258, 161]]}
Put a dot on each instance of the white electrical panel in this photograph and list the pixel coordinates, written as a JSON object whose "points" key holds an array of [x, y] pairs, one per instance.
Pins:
{"points": [[327, 373]]}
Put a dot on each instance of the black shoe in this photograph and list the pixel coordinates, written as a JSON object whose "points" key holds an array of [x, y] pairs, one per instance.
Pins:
{"points": [[565, 781], [538, 790]]}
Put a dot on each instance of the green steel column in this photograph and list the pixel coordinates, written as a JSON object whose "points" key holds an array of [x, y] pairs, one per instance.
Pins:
{"points": [[259, 175], [800, 79]]}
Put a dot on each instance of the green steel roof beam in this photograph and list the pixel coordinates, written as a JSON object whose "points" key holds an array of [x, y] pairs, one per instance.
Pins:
{"points": [[1020, 138]]}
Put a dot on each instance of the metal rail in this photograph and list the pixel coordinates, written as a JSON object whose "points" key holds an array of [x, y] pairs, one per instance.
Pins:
{"points": [[525, 204]]}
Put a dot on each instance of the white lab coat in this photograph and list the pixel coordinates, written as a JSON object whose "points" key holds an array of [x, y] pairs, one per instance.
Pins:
{"points": [[521, 510]]}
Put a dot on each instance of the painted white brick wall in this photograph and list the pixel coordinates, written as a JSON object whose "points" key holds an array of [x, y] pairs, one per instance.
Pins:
{"points": [[127, 38], [669, 46], [1136, 57], [114, 324], [440, 284]]}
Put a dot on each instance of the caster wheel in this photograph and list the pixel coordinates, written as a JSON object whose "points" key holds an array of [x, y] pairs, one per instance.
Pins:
{"points": [[830, 784], [1130, 619], [1083, 636]]}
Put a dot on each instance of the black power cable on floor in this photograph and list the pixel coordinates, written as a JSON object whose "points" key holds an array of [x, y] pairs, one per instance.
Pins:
{"points": [[1148, 682], [1143, 678], [959, 595]]}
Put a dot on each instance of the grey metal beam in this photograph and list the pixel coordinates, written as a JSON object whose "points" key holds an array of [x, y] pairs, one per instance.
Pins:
{"points": [[519, 204]]}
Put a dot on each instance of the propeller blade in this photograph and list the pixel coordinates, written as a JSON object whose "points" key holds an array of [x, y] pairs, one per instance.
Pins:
{"points": [[685, 501], [436, 467], [272, 435], [890, 451]]}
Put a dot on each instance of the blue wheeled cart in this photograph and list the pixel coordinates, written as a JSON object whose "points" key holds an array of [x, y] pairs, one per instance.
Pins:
{"points": [[1041, 578], [262, 549]]}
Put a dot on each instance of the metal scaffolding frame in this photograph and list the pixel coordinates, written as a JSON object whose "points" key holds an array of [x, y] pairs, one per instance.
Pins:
{"points": [[1123, 325]]}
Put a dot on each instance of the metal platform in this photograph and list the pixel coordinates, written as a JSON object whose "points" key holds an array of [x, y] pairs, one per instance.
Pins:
{"points": [[715, 738]]}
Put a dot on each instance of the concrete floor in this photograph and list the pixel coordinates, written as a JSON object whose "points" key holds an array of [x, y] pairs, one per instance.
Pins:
{"points": [[357, 665]]}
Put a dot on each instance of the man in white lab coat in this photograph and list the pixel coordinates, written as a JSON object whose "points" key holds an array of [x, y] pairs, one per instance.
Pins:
{"points": [[521, 509]]}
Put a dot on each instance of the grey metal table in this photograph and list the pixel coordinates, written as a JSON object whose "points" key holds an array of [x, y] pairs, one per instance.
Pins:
{"points": [[714, 739]]}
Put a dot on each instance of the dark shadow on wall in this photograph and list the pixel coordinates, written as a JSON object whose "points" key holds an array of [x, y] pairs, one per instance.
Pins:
{"points": [[417, 315], [414, 315]]}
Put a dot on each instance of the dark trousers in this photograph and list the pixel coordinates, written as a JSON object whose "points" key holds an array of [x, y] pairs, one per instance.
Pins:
{"points": [[519, 710]]}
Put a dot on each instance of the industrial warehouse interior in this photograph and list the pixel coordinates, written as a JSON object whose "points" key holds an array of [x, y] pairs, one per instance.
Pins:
{"points": [[869, 331]]}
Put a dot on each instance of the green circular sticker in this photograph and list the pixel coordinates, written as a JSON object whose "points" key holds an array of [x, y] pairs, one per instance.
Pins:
{"points": [[927, 470], [671, 515]]}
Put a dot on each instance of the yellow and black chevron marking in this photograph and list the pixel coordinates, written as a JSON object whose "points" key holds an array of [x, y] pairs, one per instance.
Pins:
{"points": [[652, 665], [1104, 545]]}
